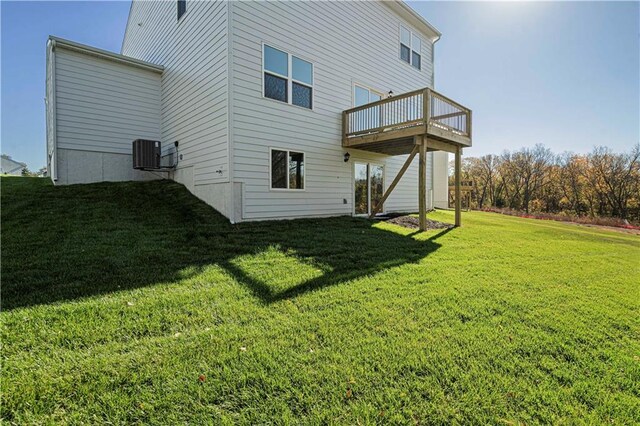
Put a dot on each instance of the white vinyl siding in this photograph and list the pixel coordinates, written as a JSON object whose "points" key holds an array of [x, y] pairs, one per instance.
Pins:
{"points": [[194, 53], [102, 105], [318, 32]]}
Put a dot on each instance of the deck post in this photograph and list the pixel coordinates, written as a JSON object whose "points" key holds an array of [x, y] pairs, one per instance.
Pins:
{"points": [[457, 172], [422, 183]]}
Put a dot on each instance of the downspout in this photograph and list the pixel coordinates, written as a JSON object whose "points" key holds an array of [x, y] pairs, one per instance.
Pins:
{"points": [[433, 62], [52, 102], [433, 186]]}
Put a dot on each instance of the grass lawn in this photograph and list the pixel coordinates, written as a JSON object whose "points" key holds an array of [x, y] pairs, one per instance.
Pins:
{"points": [[137, 303]]}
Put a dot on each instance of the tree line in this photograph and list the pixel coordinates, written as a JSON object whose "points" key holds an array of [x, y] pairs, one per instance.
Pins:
{"points": [[601, 183]]}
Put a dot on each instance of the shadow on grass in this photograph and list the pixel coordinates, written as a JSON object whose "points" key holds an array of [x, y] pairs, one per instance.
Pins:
{"points": [[66, 243], [393, 250]]}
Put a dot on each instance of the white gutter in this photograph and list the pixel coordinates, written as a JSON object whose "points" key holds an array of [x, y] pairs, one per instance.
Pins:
{"points": [[433, 175], [104, 54]]}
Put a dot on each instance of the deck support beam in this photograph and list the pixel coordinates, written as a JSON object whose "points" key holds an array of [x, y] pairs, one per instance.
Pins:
{"points": [[457, 172], [422, 182], [395, 182]]}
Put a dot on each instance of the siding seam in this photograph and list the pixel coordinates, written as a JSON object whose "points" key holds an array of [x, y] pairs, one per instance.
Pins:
{"points": [[230, 117]]}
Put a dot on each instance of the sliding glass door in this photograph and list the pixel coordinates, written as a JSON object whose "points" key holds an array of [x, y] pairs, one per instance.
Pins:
{"points": [[361, 188], [376, 179], [368, 187]]}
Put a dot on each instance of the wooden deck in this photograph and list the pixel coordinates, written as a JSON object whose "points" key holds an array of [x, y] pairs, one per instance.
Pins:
{"points": [[412, 123], [389, 126]]}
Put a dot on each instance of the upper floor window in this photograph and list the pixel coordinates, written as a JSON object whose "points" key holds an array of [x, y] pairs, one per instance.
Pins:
{"points": [[410, 48], [182, 8], [287, 78]]}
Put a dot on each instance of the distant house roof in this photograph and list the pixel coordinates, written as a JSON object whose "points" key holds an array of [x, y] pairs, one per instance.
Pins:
{"points": [[10, 166]]}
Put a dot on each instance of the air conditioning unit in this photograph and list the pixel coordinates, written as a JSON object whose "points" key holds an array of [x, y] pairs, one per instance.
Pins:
{"points": [[146, 154]]}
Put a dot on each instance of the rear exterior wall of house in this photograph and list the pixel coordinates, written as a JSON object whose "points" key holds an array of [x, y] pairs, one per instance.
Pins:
{"points": [[348, 44], [213, 103], [193, 50]]}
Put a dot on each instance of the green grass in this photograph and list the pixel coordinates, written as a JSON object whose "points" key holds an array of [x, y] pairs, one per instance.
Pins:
{"points": [[117, 297]]}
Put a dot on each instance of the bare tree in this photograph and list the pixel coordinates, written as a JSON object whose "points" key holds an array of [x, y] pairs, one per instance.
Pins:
{"points": [[511, 176], [534, 167], [601, 183], [615, 177], [572, 180], [483, 172]]}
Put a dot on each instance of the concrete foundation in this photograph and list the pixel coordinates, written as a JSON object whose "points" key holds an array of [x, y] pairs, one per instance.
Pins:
{"points": [[89, 167]]}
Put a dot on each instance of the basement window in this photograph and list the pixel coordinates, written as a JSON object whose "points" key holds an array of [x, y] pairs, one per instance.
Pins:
{"points": [[182, 8], [410, 48], [287, 78], [287, 169]]}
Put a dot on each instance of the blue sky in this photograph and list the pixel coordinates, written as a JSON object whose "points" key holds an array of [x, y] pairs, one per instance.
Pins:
{"points": [[562, 74], [25, 28], [559, 73]]}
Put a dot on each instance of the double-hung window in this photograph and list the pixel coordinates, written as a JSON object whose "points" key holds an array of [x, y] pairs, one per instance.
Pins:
{"points": [[410, 48], [287, 169], [287, 78]]}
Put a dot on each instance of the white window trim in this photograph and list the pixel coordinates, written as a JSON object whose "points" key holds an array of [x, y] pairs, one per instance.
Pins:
{"points": [[290, 79], [304, 173], [412, 34]]}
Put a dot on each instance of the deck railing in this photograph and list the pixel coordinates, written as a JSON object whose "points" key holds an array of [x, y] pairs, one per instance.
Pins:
{"points": [[408, 110]]}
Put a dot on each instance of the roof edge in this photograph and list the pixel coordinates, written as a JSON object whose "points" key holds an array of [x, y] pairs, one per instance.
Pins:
{"points": [[126, 29], [105, 54], [407, 12]]}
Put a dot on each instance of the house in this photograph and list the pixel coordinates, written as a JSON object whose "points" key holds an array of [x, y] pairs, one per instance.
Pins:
{"points": [[264, 110], [9, 166]]}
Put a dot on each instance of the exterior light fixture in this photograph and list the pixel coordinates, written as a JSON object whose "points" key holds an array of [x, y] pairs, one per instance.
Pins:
{"points": [[390, 94], [346, 156]]}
